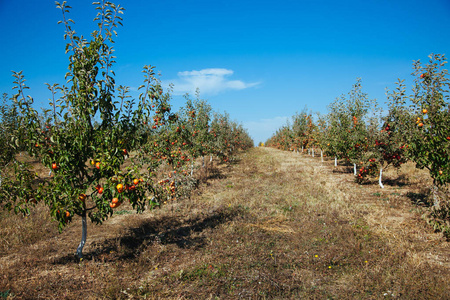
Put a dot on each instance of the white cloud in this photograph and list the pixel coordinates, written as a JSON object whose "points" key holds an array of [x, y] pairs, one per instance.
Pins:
{"points": [[210, 82], [263, 129]]}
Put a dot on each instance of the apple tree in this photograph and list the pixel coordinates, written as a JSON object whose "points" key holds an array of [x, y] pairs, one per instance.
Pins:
{"points": [[428, 131], [90, 128], [347, 116], [302, 129], [197, 116], [387, 146], [8, 124]]}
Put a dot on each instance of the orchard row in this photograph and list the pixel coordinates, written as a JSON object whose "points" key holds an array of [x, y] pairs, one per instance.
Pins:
{"points": [[416, 127], [101, 146]]}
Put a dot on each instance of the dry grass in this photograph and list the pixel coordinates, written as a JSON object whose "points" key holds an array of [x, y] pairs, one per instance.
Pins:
{"points": [[274, 225]]}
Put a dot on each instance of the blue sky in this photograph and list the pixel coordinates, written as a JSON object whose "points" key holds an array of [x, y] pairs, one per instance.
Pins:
{"points": [[261, 61]]}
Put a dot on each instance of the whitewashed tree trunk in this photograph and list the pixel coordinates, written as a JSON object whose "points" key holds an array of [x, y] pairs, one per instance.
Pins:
{"points": [[83, 235], [354, 169], [192, 168], [308, 151], [203, 161], [302, 149], [380, 180], [312, 152], [321, 155], [210, 158], [335, 161]]}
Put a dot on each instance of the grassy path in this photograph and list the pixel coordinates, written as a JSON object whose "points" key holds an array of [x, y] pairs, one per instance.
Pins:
{"points": [[274, 225]]}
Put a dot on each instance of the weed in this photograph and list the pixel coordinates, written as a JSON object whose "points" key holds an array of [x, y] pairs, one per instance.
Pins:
{"points": [[5, 294]]}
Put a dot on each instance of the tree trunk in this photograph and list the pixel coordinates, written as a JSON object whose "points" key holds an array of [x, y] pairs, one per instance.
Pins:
{"points": [[335, 161], [354, 169], [436, 202], [321, 155], [312, 152], [83, 235], [379, 180]]}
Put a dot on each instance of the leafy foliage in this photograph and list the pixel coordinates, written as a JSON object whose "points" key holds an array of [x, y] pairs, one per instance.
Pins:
{"points": [[101, 146], [416, 127]]}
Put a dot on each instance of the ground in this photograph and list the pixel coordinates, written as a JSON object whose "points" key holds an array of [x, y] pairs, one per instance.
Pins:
{"points": [[273, 224]]}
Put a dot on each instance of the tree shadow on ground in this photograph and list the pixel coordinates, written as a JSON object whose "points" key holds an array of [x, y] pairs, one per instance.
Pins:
{"points": [[164, 230], [399, 181], [205, 175], [234, 161], [214, 173], [420, 199], [343, 170]]}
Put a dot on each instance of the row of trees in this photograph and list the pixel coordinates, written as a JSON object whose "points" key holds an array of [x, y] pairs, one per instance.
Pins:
{"points": [[416, 127], [102, 147]]}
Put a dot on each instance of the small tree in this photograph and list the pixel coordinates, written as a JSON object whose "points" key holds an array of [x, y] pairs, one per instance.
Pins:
{"points": [[321, 136], [8, 124], [428, 131], [300, 129], [88, 133], [197, 116], [386, 139], [347, 125]]}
